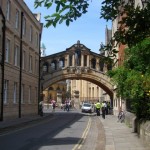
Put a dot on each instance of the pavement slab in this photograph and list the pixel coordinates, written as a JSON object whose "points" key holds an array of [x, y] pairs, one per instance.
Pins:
{"points": [[119, 136]]}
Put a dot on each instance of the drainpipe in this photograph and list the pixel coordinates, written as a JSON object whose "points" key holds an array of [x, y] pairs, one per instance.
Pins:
{"points": [[2, 64], [39, 85], [20, 77]]}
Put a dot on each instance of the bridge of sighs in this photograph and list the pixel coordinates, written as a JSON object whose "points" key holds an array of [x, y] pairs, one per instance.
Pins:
{"points": [[79, 63]]}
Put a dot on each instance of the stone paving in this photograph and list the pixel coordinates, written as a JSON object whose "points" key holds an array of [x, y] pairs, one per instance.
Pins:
{"points": [[119, 136]]}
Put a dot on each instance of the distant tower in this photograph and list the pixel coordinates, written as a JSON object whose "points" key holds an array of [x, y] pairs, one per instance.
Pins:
{"points": [[43, 48]]}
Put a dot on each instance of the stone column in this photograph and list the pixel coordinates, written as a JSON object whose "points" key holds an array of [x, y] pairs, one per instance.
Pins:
{"points": [[88, 61], [82, 60], [73, 60], [67, 61], [59, 98]]}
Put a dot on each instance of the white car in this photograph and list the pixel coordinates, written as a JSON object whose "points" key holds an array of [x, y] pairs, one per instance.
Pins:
{"points": [[87, 107]]}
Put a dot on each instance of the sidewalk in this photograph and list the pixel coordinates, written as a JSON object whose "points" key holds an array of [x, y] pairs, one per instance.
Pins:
{"points": [[119, 136]]}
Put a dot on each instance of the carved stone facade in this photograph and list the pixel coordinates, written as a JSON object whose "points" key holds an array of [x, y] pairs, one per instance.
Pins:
{"points": [[78, 64]]}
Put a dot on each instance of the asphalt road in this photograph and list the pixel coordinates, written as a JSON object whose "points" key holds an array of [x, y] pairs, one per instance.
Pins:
{"points": [[64, 131]]}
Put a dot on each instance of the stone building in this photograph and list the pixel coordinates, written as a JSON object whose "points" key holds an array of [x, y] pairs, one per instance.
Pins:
{"points": [[21, 62]]}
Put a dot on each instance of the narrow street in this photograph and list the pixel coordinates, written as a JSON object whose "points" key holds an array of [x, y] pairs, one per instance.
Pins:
{"points": [[65, 130]]}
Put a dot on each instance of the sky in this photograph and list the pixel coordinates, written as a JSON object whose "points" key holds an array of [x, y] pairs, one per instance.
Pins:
{"points": [[88, 29]]}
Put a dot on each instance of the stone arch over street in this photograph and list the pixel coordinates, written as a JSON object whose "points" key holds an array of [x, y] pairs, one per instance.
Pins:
{"points": [[76, 63]]}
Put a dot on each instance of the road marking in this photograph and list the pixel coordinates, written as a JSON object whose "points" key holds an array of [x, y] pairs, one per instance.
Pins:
{"points": [[84, 135]]}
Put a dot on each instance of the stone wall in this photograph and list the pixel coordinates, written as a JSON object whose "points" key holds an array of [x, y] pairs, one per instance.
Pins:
{"points": [[145, 132], [143, 129]]}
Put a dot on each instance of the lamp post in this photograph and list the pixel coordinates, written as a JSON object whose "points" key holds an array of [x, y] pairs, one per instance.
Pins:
{"points": [[20, 75], [2, 61]]}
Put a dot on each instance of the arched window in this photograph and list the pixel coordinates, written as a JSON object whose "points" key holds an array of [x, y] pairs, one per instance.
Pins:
{"points": [[93, 63], [54, 65], [61, 62], [101, 65], [78, 57], [70, 60], [85, 60], [109, 66], [45, 67]]}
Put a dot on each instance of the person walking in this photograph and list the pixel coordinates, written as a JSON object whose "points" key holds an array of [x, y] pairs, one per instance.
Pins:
{"points": [[98, 107], [41, 108], [103, 109]]}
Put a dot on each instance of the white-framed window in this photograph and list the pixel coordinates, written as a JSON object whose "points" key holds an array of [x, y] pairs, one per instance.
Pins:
{"points": [[7, 50], [6, 91], [8, 10], [24, 26], [15, 93], [31, 30], [17, 20], [23, 59], [30, 63], [22, 93], [16, 56], [29, 98]]}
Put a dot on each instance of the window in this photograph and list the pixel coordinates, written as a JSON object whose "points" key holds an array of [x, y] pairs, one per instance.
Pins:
{"points": [[101, 65], [70, 60], [30, 63], [24, 26], [29, 98], [23, 60], [22, 93], [15, 93], [37, 40], [36, 66], [7, 50], [8, 10], [31, 33], [16, 56], [5, 91], [85, 60], [36, 94], [17, 20], [93, 63]]}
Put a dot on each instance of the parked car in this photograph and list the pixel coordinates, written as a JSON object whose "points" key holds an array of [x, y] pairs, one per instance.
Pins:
{"points": [[87, 107]]}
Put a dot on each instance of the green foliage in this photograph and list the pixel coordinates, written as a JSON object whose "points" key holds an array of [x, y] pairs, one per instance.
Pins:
{"points": [[133, 78], [66, 10]]}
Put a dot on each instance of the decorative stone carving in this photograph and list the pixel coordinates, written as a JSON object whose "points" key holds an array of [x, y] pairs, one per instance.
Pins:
{"points": [[78, 71]]}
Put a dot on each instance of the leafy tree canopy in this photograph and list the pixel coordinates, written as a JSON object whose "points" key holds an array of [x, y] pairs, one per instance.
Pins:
{"points": [[133, 78]]}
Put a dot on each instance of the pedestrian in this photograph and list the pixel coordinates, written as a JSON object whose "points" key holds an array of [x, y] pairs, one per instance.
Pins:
{"points": [[103, 109], [98, 107], [66, 105], [54, 105], [41, 108]]}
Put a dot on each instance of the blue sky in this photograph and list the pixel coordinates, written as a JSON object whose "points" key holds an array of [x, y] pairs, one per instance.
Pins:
{"points": [[89, 29]]}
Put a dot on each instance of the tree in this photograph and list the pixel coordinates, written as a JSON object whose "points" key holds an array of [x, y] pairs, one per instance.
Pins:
{"points": [[133, 78], [66, 10]]}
